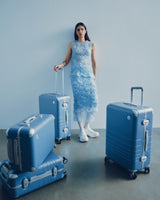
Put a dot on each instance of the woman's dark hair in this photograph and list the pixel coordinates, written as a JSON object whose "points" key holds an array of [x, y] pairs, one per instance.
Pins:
{"points": [[75, 34]]}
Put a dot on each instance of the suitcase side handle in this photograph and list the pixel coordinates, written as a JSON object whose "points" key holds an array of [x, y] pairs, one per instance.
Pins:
{"points": [[66, 117], [146, 141], [28, 121], [137, 88], [5, 169]]}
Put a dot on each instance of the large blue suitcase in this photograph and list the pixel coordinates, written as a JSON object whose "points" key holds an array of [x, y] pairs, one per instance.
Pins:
{"points": [[60, 107], [20, 183], [128, 135], [30, 141]]}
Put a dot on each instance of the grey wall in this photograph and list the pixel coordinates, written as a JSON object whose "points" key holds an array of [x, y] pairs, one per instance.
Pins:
{"points": [[34, 36]]}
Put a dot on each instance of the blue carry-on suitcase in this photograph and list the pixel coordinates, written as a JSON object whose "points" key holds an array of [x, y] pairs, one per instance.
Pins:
{"points": [[30, 141], [60, 106], [128, 135], [20, 183]]}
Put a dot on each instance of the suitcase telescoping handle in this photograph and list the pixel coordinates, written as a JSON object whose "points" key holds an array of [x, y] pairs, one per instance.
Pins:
{"points": [[137, 88], [62, 81]]}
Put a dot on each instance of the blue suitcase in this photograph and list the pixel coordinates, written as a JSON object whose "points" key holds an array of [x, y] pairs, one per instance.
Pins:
{"points": [[20, 183], [128, 135], [30, 141], [60, 107]]}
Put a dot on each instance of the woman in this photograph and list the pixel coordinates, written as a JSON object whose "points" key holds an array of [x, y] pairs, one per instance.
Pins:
{"points": [[82, 53]]}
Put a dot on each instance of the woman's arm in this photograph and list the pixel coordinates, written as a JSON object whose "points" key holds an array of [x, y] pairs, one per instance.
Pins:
{"points": [[67, 59], [94, 64]]}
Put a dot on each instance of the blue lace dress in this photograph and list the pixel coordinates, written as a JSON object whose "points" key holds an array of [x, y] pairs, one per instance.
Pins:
{"points": [[82, 80]]}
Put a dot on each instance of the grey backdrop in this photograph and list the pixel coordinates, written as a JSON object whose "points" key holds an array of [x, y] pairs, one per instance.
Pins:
{"points": [[34, 36]]}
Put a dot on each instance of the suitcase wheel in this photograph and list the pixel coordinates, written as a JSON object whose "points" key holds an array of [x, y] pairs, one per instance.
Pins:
{"points": [[147, 170], [132, 175], [58, 141], [64, 174], [106, 160], [65, 160], [69, 138]]}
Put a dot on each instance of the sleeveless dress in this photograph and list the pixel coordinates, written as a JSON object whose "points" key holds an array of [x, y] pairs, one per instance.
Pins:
{"points": [[83, 83]]}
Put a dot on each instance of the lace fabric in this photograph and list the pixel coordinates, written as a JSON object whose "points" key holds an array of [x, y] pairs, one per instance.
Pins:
{"points": [[83, 84]]}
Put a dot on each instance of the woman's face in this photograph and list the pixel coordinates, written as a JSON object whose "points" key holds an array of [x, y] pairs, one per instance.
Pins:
{"points": [[81, 31]]}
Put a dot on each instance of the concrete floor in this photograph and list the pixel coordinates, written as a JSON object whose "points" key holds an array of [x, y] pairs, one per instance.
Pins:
{"points": [[88, 178]]}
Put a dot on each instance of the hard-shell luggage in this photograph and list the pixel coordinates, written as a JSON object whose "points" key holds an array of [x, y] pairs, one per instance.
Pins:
{"points": [[128, 135], [20, 183], [30, 141], [60, 106]]}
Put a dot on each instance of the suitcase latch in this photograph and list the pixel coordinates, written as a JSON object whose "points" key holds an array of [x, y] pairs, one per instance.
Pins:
{"points": [[65, 130], [145, 122], [25, 183], [65, 105], [143, 158], [54, 171]]}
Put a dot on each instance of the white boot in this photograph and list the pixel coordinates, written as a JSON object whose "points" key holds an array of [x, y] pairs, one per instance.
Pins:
{"points": [[83, 136], [90, 132]]}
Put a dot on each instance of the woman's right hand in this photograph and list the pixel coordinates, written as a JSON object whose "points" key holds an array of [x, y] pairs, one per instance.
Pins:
{"points": [[56, 68]]}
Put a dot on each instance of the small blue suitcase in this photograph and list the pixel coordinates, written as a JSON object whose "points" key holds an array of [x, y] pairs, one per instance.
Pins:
{"points": [[128, 135], [20, 183], [30, 141], [60, 107]]}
